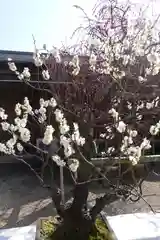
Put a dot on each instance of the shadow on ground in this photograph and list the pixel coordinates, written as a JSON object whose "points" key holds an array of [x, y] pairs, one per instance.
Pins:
{"points": [[23, 200]]}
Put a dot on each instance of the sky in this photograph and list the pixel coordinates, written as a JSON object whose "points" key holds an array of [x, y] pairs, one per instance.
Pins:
{"points": [[51, 22]]}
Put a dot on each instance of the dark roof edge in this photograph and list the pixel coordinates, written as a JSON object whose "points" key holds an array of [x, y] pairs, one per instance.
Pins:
{"points": [[27, 57], [17, 56]]}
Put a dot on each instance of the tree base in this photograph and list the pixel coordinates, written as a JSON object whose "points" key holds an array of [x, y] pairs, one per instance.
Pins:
{"points": [[50, 229]]}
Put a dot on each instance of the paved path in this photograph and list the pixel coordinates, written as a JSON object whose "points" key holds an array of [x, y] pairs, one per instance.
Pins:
{"points": [[23, 200]]}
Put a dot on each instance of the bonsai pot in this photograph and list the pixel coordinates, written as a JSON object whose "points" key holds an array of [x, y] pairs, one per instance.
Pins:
{"points": [[46, 226]]}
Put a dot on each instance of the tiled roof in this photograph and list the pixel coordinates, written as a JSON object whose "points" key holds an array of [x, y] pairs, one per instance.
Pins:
{"points": [[17, 56]]}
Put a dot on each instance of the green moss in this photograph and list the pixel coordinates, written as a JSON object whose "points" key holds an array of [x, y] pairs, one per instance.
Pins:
{"points": [[48, 226], [101, 233]]}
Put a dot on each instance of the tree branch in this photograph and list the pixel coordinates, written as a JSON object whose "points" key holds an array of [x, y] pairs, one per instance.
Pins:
{"points": [[101, 202]]}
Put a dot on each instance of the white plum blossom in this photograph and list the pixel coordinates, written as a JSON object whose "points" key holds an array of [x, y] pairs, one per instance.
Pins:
{"points": [[75, 72], [142, 79], [18, 110], [134, 153], [58, 115], [64, 127], [92, 60], [5, 126], [48, 135], [3, 148], [154, 130], [80, 141], [12, 65], [103, 135], [129, 105], [133, 133], [58, 161], [19, 147], [66, 143], [109, 129], [75, 64], [141, 105], [145, 144], [114, 113], [75, 61], [153, 57], [25, 134], [20, 123], [149, 105], [155, 71], [41, 102], [45, 74], [26, 73], [139, 116], [3, 116], [110, 150], [26, 106], [121, 127], [42, 110], [13, 128], [73, 164], [37, 59], [55, 52], [20, 76], [52, 102], [10, 144]]}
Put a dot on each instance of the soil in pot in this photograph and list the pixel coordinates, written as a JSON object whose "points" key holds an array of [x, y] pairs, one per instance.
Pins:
{"points": [[46, 227]]}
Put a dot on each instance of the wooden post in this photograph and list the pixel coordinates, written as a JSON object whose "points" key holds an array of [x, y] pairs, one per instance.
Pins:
{"points": [[62, 186]]}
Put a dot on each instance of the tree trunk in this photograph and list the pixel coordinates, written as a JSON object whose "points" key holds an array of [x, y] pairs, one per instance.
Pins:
{"points": [[77, 220]]}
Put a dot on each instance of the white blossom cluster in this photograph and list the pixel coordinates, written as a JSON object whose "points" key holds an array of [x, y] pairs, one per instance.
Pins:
{"points": [[3, 115], [21, 134], [92, 61], [24, 75], [151, 104], [128, 147], [132, 151], [65, 139], [119, 124], [18, 130], [42, 111], [63, 126], [80, 141], [38, 61], [58, 161], [73, 164], [155, 129], [139, 42], [48, 135], [75, 64]]}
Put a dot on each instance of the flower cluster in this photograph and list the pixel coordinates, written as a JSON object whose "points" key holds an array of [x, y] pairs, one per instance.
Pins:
{"points": [[25, 75], [80, 141], [18, 129], [66, 140], [48, 135], [58, 161], [155, 129], [75, 64], [73, 164], [63, 126], [119, 124], [45, 74], [42, 111], [131, 150]]}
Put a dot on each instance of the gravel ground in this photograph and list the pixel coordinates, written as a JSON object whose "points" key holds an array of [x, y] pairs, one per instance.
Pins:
{"points": [[23, 200]]}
